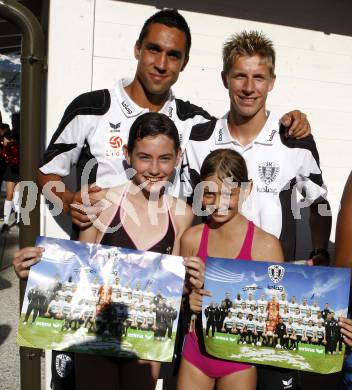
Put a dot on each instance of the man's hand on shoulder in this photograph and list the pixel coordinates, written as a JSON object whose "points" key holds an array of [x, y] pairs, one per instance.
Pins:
{"points": [[297, 124]]}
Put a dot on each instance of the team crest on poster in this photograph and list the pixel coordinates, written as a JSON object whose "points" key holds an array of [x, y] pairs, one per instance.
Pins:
{"points": [[276, 273], [268, 172]]}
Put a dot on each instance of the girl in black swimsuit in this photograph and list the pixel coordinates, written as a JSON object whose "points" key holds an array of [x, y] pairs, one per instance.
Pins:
{"points": [[138, 216], [142, 216]]}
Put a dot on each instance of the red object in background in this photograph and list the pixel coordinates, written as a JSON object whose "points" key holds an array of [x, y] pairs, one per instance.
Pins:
{"points": [[11, 154]]}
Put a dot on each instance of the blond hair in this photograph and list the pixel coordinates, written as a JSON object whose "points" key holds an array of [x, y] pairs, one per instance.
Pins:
{"points": [[248, 43]]}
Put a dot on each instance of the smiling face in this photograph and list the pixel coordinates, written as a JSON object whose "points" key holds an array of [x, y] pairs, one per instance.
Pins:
{"points": [[248, 81], [222, 198], [161, 57], [154, 159]]}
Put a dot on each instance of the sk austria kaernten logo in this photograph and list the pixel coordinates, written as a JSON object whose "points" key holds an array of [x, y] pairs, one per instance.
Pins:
{"points": [[268, 171], [276, 273]]}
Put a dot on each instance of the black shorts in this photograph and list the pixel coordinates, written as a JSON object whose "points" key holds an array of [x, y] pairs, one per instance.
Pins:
{"points": [[62, 371], [11, 174], [271, 378]]}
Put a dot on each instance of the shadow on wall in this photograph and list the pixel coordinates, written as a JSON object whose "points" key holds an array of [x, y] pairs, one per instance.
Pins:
{"points": [[330, 17]]}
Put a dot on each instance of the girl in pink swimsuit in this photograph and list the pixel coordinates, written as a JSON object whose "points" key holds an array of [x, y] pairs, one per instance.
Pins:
{"points": [[226, 234]]}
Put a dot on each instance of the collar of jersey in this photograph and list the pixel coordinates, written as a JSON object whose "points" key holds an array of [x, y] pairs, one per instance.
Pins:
{"points": [[266, 136], [129, 107]]}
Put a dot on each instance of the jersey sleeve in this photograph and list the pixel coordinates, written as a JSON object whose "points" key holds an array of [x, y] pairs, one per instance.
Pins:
{"points": [[69, 139], [309, 177]]}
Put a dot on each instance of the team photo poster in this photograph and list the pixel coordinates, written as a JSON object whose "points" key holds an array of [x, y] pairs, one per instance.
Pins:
{"points": [[283, 315], [102, 300]]}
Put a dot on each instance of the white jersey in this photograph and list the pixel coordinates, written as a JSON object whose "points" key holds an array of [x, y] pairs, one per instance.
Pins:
{"points": [[229, 322], [148, 297], [307, 319], [125, 291], [54, 307], [250, 325], [315, 311], [304, 309], [96, 125], [259, 326], [292, 307], [262, 304], [250, 303], [285, 317], [136, 294], [237, 303], [300, 329], [310, 331], [296, 318], [282, 305], [320, 332], [276, 164]]}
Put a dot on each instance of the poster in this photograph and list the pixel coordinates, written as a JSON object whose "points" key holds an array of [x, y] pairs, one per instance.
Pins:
{"points": [[283, 315], [102, 300]]}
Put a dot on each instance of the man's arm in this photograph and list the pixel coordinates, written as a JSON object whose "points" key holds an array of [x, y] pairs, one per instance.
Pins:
{"points": [[343, 241], [53, 189], [320, 227]]}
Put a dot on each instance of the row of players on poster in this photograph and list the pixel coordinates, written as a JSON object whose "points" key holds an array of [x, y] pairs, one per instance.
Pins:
{"points": [[285, 308], [110, 310], [275, 324], [55, 296]]}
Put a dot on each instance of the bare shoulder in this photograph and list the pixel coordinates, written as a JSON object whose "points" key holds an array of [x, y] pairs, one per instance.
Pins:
{"points": [[192, 236], [182, 213], [266, 247]]}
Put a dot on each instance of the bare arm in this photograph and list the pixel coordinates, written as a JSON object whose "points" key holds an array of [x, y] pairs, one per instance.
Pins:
{"points": [[53, 189], [266, 247], [343, 251]]}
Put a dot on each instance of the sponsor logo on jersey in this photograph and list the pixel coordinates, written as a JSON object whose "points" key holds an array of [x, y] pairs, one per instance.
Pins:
{"points": [[271, 136], [127, 107], [170, 110], [115, 128], [276, 273], [268, 172], [63, 365], [220, 135]]}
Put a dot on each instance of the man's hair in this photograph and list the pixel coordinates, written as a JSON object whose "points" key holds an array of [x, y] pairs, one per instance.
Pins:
{"points": [[170, 18], [248, 43]]}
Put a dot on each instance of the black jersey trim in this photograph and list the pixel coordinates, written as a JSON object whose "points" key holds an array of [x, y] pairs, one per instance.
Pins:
{"points": [[186, 110], [203, 131], [304, 143], [89, 103], [288, 223], [54, 150]]}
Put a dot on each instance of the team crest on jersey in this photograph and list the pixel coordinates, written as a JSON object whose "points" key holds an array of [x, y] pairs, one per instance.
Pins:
{"points": [[63, 365], [268, 171], [276, 273]]}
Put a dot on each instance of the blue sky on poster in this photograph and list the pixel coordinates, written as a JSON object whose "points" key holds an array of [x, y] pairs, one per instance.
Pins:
{"points": [[326, 285], [88, 263]]}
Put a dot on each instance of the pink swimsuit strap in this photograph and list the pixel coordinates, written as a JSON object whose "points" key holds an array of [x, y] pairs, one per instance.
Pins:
{"points": [[245, 252]]}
